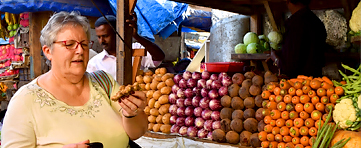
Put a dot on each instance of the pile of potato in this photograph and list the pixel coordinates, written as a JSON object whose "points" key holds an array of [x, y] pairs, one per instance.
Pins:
{"points": [[241, 116], [157, 87]]}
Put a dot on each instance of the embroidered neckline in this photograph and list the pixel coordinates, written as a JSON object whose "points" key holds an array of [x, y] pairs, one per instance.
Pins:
{"points": [[89, 109]]}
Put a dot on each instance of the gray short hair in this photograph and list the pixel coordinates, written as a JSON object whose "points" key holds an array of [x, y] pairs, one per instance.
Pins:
{"points": [[60, 20]]}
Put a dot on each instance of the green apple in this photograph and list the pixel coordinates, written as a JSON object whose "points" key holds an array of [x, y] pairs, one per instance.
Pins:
{"points": [[240, 48], [10, 27], [15, 26]]}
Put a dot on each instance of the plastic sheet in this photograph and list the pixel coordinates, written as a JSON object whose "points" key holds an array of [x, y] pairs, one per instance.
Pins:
{"points": [[198, 19], [85, 7]]}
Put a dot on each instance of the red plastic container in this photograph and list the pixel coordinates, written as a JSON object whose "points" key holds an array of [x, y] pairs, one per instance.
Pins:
{"points": [[224, 66]]}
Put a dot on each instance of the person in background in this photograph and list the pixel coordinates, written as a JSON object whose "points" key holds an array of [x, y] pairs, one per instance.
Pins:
{"points": [[106, 60], [181, 65], [304, 43], [66, 107]]}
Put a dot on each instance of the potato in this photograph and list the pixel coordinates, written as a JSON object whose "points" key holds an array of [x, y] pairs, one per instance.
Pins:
{"points": [[237, 114], [267, 73], [219, 135], [249, 75], [158, 77], [258, 100], [154, 112], [258, 115], [149, 94], [166, 118], [257, 80], [255, 90], [151, 119], [148, 72], [147, 86], [249, 102], [157, 104], [238, 78], [270, 78], [237, 125], [250, 125], [156, 127], [157, 94], [233, 90], [261, 126], [247, 83], [169, 82], [147, 110], [226, 101], [232, 137], [226, 125], [160, 85], [150, 126], [139, 79], [162, 70], [157, 71], [249, 113], [147, 79], [164, 109], [254, 140], [226, 113], [244, 92], [166, 90], [154, 85], [165, 77], [237, 103], [163, 99], [151, 103], [244, 138], [165, 128], [142, 86], [159, 119]]}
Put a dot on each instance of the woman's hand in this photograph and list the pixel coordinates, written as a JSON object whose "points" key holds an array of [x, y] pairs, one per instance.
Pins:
{"points": [[78, 145], [133, 104], [133, 23]]}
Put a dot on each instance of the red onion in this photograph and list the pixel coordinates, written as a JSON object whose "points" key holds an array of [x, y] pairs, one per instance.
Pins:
{"points": [[209, 136], [192, 131], [204, 92], [191, 83], [174, 129], [206, 114], [175, 88], [206, 75], [189, 121], [216, 125], [202, 133], [188, 102], [198, 112], [209, 84], [215, 104], [213, 94], [204, 103], [180, 93], [173, 119], [226, 81], [187, 75], [172, 98], [183, 130], [188, 93], [214, 77], [221, 75], [180, 121], [180, 102], [196, 91], [183, 83], [189, 111], [196, 75], [216, 84], [208, 125], [181, 111], [215, 116], [173, 109], [199, 122], [223, 91], [201, 83], [196, 100], [177, 78]]}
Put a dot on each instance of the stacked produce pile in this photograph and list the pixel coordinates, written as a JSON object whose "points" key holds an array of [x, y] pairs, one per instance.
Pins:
{"points": [[195, 100], [294, 109], [258, 44], [158, 87]]}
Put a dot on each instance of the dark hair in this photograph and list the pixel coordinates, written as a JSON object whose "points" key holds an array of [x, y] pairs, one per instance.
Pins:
{"points": [[101, 21], [304, 2]]}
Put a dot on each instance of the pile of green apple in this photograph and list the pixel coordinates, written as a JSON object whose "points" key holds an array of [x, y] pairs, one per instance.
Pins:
{"points": [[12, 29]]}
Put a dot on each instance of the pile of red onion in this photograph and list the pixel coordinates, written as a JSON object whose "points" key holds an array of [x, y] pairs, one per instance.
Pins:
{"points": [[195, 103]]}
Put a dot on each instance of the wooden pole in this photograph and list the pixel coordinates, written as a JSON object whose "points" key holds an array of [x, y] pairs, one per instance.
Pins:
{"points": [[270, 15], [35, 46], [124, 54]]}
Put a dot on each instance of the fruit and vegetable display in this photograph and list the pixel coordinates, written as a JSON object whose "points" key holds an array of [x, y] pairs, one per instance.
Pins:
{"points": [[253, 43]]}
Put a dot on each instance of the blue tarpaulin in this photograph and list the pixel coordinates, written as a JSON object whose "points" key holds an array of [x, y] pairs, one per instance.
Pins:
{"points": [[161, 17], [198, 19], [85, 7]]}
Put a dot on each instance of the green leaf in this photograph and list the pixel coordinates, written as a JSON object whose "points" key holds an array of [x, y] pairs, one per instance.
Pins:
{"points": [[348, 122]]}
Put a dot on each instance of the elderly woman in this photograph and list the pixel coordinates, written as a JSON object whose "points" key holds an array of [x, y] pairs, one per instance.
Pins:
{"points": [[66, 107]]}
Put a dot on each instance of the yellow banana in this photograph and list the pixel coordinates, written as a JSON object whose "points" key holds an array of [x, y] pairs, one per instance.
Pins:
{"points": [[13, 18], [7, 18], [1, 26]]}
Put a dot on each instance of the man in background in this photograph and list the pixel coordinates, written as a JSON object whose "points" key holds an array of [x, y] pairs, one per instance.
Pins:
{"points": [[106, 60]]}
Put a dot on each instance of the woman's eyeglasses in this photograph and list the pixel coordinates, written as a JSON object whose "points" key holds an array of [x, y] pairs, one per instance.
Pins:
{"points": [[71, 44]]}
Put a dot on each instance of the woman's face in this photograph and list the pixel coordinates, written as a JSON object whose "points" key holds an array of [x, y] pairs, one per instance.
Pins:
{"points": [[64, 58]]}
